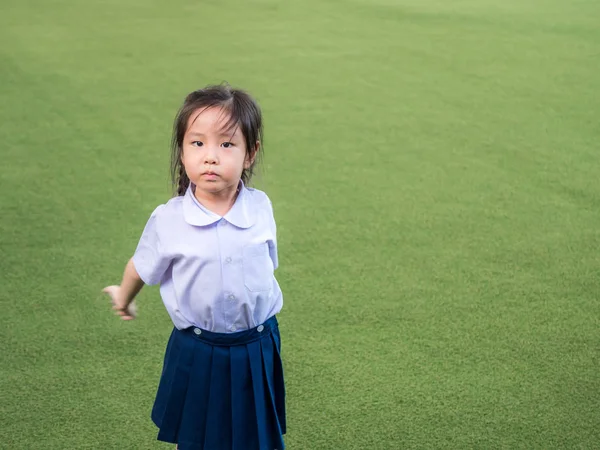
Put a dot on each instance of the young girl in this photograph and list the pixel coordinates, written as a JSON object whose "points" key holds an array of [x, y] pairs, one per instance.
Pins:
{"points": [[213, 249]]}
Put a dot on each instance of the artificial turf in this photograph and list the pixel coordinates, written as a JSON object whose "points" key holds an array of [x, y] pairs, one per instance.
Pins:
{"points": [[435, 173]]}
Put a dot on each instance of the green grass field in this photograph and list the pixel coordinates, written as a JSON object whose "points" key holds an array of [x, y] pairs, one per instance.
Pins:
{"points": [[435, 172]]}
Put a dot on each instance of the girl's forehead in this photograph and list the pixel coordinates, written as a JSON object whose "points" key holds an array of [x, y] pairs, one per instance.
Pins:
{"points": [[211, 120]]}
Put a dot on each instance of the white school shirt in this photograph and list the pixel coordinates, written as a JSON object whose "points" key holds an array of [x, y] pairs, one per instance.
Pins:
{"points": [[215, 273]]}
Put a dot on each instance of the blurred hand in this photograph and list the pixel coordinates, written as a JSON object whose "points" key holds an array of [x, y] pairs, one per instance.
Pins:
{"points": [[118, 303]]}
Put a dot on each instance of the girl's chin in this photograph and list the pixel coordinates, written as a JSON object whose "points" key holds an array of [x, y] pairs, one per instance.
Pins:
{"points": [[213, 187]]}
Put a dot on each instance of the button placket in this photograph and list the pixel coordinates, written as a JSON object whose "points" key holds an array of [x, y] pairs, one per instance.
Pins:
{"points": [[231, 295]]}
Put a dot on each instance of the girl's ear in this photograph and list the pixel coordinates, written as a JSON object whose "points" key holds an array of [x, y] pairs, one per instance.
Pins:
{"points": [[252, 156]]}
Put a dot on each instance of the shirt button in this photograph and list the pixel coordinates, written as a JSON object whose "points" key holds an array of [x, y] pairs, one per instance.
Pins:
{"points": [[198, 331], [223, 222], [260, 328], [228, 260], [231, 297], [233, 328]]}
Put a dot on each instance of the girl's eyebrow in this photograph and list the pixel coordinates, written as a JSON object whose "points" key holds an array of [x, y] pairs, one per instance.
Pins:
{"points": [[221, 133]]}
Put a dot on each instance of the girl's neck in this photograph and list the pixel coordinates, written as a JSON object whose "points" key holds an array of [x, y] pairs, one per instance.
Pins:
{"points": [[219, 202]]}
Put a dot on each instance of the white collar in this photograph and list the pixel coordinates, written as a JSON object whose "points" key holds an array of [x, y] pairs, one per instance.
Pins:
{"points": [[240, 214]]}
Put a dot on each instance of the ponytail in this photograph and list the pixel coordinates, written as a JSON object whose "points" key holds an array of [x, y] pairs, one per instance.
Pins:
{"points": [[183, 181]]}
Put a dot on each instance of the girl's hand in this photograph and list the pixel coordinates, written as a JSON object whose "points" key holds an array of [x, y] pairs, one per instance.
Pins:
{"points": [[119, 304]]}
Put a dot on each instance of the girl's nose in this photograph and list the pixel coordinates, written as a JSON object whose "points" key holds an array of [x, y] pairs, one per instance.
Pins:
{"points": [[210, 157]]}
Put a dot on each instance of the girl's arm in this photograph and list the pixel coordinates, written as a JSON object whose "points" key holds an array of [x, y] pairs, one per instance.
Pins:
{"points": [[122, 296]]}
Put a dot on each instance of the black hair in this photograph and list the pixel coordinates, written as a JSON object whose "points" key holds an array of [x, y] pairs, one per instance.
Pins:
{"points": [[243, 112]]}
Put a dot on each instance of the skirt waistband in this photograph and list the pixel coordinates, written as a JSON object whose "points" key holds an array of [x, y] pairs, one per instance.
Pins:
{"points": [[232, 339]]}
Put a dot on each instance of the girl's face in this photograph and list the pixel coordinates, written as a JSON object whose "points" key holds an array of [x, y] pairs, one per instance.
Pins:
{"points": [[214, 155]]}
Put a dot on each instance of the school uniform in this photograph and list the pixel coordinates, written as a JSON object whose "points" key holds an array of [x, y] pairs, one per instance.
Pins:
{"points": [[222, 384]]}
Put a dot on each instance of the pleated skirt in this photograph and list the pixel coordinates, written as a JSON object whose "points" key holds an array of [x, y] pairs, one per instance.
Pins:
{"points": [[221, 391]]}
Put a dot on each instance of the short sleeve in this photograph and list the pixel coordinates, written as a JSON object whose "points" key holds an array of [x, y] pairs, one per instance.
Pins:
{"points": [[273, 242], [149, 258]]}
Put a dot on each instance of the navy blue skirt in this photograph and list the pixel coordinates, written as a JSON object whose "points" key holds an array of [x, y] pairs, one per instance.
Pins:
{"points": [[222, 391]]}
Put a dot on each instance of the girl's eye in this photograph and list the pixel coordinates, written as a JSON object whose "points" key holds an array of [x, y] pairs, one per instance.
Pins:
{"points": [[227, 144], [197, 143]]}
